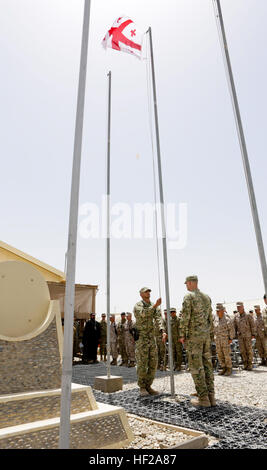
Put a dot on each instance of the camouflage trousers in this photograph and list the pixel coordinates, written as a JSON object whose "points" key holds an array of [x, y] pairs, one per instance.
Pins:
{"points": [[177, 352], [200, 365], [224, 352], [130, 348], [146, 360], [122, 349], [114, 350], [245, 347], [261, 345], [161, 350], [103, 347]]}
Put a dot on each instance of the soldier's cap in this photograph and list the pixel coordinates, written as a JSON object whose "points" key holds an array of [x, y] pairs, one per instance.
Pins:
{"points": [[219, 307], [257, 306], [144, 289], [191, 278], [103, 315], [239, 304], [173, 309], [123, 313], [219, 304]]}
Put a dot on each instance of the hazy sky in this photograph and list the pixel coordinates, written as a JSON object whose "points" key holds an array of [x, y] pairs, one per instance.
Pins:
{"points": [[201, 161]]}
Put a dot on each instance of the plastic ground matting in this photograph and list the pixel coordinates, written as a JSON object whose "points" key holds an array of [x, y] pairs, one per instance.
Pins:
{"points": [[236, 427]]}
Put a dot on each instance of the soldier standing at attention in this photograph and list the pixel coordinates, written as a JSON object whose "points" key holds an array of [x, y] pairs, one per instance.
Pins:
{"points": [[160, 347], [129, 340], [196, 329], [121, 340], [224, 334], [147, 314], [245, 331], [261, 335], [103, 338], [177, 348], [113, 341]]}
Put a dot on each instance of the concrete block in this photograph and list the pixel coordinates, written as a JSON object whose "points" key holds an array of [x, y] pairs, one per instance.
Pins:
{"points": [[108, 384]]}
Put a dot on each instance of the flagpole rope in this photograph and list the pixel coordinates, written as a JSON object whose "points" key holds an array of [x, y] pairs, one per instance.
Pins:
{"points": [[149, 86]]}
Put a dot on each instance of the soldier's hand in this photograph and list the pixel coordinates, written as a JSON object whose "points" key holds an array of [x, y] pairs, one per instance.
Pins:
{"points": [[230, 341], [164, 337], [182, 340], [158, 303]]}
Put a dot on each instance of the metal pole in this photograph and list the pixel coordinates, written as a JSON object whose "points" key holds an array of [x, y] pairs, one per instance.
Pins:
{"points": [[241, 136], [165, 257], [64, 432], [108, 227]]}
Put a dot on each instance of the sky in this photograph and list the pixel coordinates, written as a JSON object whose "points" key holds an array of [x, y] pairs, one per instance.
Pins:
{"points": [[202, 168]]}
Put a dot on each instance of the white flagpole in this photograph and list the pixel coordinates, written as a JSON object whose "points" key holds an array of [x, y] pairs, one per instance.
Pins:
{"points": [[241, 136], [64, 432], [164, 241], [108, 227]]}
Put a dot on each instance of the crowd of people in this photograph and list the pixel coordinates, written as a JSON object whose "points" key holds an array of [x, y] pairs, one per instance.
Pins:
{"points": [[143, 341]]}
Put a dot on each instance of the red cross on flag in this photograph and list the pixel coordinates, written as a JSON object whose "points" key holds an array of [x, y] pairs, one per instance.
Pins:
{"points": [[124, 36]]}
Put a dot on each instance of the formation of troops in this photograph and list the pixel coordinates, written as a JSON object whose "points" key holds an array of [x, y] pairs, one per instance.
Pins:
{"points": [[144, 342]]}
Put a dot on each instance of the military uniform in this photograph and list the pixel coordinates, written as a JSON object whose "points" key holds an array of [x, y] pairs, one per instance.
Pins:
{"points": [[121, 342], [160, 348], [177, 348], [223, 332], [244, 330], [113, 343], [146, 349], [261, 335], [196, 327], [103, 339], [129, 342]]}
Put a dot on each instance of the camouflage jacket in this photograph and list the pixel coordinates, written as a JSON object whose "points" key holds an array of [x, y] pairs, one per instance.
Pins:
{"points": [[128, 325], [175, 327], [261, 326], [147, 319], [121, 330], [196, 316], [103, 330], [224, 327], [244, 325], [113, 332]]}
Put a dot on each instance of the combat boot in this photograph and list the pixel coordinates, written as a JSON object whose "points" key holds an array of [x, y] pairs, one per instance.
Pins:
{"points": [[212, 399], [249, 367], [228, 371], [201, 401], [143, 392], [151, 391], [222, 371]]}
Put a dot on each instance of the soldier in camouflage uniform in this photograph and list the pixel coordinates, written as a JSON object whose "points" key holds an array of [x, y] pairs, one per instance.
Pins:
{"points": [[146, 315], [103, 338], [160, 347], [245, 331], [224, 334], [129, 340], [113, 341], [196, 329], [261, 335], [121, 340], [177, 348]]}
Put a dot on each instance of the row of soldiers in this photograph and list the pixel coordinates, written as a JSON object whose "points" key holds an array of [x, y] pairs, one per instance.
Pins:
{"points": [[243, 327]]}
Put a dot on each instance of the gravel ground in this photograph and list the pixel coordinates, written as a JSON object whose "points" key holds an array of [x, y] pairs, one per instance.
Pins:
{"points": [[148, 435]]}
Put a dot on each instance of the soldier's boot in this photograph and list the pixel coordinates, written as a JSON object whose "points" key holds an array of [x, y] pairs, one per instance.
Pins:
{"points": [[212, 399], [143, 392], [195, 394], [249, 367], [201, 401], [101, 358], [228, 371], [132, 364], [222, 372], [161, 368], [151, 391], [263, 362], [245, 366]]}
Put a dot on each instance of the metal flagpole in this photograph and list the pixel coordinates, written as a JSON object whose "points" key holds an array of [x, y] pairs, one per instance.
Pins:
{"points": [[64, 432], [242, 141], [108, 227], [164, 241]]}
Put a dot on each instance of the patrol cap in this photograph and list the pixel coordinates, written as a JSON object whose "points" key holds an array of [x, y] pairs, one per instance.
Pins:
{"points": [[191, 278], [144, 289], [173, 309], [257, 306], [219, 307], [103, 315], [239, 304]]}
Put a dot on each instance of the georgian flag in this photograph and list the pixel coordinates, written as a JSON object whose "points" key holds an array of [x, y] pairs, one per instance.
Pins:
{"points": [[124, 36]]}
